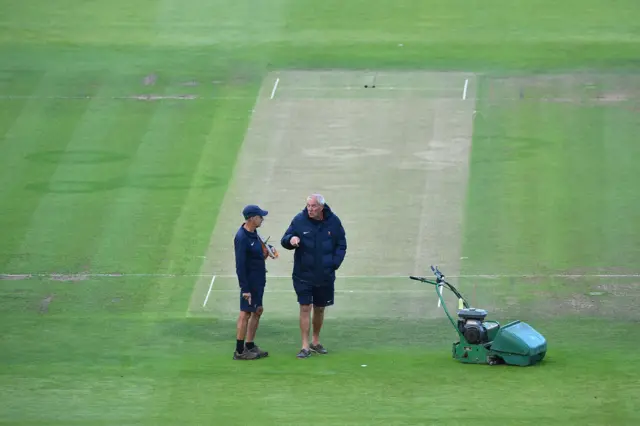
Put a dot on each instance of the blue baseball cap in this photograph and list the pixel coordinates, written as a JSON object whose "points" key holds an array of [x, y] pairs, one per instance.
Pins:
{"points": [[253, 210]]}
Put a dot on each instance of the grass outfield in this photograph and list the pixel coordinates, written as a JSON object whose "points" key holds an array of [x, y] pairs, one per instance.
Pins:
{"points": [[129, 132]]}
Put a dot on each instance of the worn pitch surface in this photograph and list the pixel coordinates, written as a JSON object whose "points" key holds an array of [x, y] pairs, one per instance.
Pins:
{"points": [[392, 162]]}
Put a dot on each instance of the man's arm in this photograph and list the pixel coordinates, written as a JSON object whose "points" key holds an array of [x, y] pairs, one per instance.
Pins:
{"points": [[288, 234], [241, 264], [340, 250]]}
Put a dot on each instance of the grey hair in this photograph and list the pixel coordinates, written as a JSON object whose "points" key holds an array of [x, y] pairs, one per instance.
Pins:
{"points": [[318, 197]]}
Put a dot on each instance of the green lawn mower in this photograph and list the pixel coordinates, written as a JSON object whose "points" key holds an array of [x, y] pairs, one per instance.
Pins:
{"points": [[486, 342]]}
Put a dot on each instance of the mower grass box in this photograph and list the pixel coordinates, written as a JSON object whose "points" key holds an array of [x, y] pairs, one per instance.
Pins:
{"points": [[487, 342]]}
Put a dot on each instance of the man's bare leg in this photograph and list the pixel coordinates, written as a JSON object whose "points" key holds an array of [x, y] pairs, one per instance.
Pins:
{"points": [[254, 321], [305, 313], [318, 318], [241, 330], [242, 325]]}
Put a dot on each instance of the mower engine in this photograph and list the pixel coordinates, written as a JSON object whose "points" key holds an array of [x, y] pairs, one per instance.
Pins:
{"points": [[470, 324]]}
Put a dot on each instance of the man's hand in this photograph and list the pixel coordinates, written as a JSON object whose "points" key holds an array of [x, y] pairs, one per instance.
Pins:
{"points": [[294, 241], [247, 297]]}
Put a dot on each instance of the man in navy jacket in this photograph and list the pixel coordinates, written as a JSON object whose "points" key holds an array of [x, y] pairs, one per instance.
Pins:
{"points": [[318, 238], [252, 278]]}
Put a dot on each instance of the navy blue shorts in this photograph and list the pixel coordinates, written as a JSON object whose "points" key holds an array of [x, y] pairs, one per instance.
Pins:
{"points": [[256, 300], [319, 295]]}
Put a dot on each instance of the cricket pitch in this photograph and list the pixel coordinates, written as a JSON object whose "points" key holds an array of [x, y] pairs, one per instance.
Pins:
{"points": [[392, 162]]}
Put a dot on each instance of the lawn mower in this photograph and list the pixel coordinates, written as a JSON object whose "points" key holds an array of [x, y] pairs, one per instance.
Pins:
{"points": [[486, 342]]}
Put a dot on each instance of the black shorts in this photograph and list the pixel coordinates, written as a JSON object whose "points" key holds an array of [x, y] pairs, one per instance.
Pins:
{"points": [[318, 295], [256, 300]]}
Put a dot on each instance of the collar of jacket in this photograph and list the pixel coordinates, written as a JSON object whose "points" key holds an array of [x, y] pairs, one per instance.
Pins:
{"points": [[253, 234], [326, 213]]}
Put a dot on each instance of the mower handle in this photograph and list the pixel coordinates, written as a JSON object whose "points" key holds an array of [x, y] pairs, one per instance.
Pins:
{"points": [[424, 280], [440, 281], [439, 275]]}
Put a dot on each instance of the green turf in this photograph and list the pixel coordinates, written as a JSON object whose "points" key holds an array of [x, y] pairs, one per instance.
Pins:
{"points": [[125, 186], [550, 188]]}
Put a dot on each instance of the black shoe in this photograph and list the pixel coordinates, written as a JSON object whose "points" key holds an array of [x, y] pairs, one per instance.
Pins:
{"points": [[319, 349], [304, 353], [245, 355], [258, 350]]}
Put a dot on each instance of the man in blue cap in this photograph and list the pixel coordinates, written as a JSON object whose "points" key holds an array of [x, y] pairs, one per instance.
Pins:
{"points": [[251, 254]]}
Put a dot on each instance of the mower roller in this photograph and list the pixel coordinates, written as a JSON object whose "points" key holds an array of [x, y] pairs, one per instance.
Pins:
{"points": [[486, 342]]}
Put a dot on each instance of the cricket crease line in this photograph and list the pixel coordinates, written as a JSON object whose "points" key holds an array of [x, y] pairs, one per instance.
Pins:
{"points": [[275, 87], [149, 275], [476, 276], [192, 96], [152, 98], [423, 290], [464, 91], [413, 89], [206, 299], [148, 98]]}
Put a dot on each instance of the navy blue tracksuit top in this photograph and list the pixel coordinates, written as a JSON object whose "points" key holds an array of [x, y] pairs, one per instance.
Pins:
{"points": [[250, 262], [323, 246]]}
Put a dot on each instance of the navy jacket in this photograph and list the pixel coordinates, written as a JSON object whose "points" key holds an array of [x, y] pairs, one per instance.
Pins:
{"points": [[250, 262], [322, 248]]}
